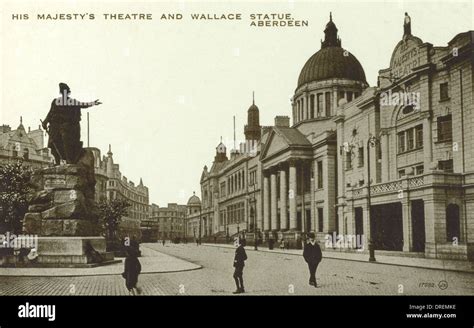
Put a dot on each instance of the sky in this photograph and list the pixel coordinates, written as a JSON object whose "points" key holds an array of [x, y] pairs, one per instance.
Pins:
{"points": [[170, 88]]}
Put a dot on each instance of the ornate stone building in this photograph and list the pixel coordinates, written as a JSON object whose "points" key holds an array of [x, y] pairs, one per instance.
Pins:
{"points": [[231, 188], [421, 169], [27, 146], [380, 162], [110, 184]]}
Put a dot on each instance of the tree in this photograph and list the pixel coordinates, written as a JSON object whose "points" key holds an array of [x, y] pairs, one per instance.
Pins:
{"points": [[14, 188], [111, 212]]}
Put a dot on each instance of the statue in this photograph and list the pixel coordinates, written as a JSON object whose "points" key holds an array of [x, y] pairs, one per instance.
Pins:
{"points": [[407, 25], [64, 128], [62, 197]]}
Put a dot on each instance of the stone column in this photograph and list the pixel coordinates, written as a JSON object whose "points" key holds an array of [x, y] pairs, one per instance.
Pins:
{"points": [[385, 157], [283, 199], [292, 196], [427, 142], [273, 199], [407, 227], [266, 203], [308, 109]]}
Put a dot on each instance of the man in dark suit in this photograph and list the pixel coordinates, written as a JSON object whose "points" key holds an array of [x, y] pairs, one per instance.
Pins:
{"points": [[239, 263], [312, 255]]}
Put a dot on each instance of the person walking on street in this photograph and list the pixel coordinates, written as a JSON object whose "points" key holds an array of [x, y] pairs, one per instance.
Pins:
{"points": [[312, 255], [239, 263], [132, 269]]}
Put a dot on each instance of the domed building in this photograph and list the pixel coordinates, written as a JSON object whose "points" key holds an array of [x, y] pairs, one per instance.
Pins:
{"points": [[330, 75], [193, 215], [301, 160]]}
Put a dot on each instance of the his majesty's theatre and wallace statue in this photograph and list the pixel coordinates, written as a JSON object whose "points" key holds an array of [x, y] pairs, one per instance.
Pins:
{"points": [[62, 208]]}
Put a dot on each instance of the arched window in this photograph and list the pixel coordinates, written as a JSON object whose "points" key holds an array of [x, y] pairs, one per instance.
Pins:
{"points": [[453, 227]]}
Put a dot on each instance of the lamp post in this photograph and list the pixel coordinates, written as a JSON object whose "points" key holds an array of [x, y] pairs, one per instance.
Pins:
{"points": [[371, 142], [200, 224], [254, 216]]}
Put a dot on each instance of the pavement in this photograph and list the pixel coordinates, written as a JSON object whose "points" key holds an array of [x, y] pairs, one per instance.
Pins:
{"points": [[265, 273], [151, 260], [416, 262]]}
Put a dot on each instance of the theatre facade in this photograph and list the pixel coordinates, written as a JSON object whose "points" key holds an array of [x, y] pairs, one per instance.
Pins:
{"points": [[392, 164]]}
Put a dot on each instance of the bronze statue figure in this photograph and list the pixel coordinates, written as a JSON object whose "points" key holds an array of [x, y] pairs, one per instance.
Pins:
{"points": [[64, 128]]}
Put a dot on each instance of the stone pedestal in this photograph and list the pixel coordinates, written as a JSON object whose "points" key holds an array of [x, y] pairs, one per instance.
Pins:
{"points": [[72, 252], [63, 213], [62, 203]]}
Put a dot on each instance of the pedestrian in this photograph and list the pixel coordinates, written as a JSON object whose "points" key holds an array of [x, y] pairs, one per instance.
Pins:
{"points": [[132, 269], [282, 243], [239, 263], [164, 242], [312, 255]]}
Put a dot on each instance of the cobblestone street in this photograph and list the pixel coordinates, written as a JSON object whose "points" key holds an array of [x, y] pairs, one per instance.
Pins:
{"points": [[265, 274]]}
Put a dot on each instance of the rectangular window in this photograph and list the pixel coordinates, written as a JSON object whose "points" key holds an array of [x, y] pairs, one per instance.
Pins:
{"points": [[340, 95], [419, 136], [443, 91], [419, 170], [410, 139], [445, 130], [401, 173], [311, 106], [320, 105], [348, 160], [446, 166], [320, 174], [361, 157], [401, 142], [349, 96], [328, 104], [320, 219]]}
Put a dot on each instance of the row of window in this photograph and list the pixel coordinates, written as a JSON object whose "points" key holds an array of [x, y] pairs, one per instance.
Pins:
{"points": [[234, 214], [410, 139], [236, 182], [319, 105], [129, 194]]}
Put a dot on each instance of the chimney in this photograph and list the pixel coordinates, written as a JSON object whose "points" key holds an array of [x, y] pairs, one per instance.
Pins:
{"points": [[282, 121]]}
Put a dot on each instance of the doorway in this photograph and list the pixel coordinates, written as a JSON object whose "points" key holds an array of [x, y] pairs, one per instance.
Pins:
{"points": [[418, 225]]}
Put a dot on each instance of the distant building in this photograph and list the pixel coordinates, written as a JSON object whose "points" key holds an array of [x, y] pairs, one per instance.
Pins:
{"points": [[167, 222], [28, 146], [150, 225], [193, 217], [110, 184]]}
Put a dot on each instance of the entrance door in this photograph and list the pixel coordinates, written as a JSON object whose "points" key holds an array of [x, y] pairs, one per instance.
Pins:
{"points": [[418, 225], [387, 226], [359, 221]]}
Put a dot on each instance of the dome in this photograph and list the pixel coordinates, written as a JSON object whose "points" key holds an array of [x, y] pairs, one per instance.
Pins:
{"points": [[194, 200], [332, 61]]}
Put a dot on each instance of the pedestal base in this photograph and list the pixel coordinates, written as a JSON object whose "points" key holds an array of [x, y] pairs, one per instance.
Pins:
{"points": [[66, 252]]}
